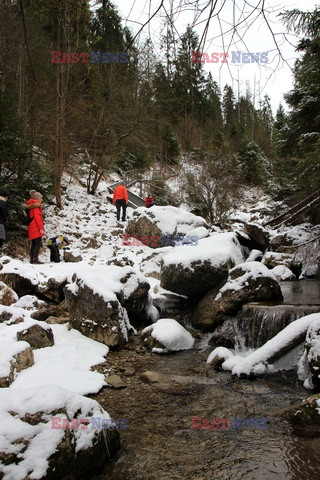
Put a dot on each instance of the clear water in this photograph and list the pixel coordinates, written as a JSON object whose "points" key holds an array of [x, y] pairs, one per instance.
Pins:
{"points": [[303, 292], [160, 443]]}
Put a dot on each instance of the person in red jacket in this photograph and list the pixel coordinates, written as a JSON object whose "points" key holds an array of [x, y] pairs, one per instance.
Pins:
{"points": [[149, 201], [120, 200], [36, 227]]}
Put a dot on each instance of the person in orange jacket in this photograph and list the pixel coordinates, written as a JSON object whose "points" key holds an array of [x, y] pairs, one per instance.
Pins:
{"points": [[36, 227], [120, 200]]}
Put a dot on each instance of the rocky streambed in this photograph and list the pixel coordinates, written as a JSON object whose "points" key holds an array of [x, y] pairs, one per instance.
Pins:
{"points": [[160, 442]]}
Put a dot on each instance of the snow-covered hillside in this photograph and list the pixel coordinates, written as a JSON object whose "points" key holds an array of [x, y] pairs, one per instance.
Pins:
{"points": [[113, 269]]}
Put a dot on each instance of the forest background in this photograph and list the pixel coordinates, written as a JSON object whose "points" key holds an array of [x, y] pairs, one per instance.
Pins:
{"points": [[148, 111]]}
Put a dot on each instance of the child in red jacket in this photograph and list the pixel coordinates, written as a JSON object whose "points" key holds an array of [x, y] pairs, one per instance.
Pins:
{"points": [[149, 201]]}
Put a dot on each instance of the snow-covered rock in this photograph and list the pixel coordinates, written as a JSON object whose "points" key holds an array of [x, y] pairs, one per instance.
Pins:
{"points": [[26, 280], [23, 280], [259, 236], [218, 356], [37, 336], [273, 259], [99, 299], [49, 432], [283, 273], [255, 256], [167, 335], [194, 270], [247, 282], [157, 221]]}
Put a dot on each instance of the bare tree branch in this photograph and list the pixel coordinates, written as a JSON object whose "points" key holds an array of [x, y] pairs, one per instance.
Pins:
{"points": [[26, 40]]}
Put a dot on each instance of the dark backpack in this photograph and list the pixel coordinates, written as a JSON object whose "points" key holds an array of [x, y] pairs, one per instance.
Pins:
{"points": [[26, 217]]}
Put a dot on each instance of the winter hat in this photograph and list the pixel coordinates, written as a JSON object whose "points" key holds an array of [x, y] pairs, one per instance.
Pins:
{"points": [[32, 192], [4, 193], [37, 196]]}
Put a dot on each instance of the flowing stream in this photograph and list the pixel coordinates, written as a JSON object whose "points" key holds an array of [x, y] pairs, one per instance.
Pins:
{"points": [[159, 442]]}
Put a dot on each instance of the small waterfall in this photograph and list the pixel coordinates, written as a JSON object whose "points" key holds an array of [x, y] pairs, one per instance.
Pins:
{"points": [[261, 322], [229, 335]]}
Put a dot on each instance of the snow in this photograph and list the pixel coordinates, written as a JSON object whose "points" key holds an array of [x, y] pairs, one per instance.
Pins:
{"points": [[170, 334], [240, 216], [200, 232], [66, 364], [216, 249]]}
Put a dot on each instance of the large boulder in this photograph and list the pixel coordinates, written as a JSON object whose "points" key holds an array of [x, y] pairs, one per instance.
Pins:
{"points": [[195, 270], [24, 279], [99, 299], [49, 433], [248, 282], [259, 235], [161, 221], [22, 285], [52, 290], [305, 417]]}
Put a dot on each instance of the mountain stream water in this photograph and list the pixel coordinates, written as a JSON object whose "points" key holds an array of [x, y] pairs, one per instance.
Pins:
{"points": [[159, 443]]}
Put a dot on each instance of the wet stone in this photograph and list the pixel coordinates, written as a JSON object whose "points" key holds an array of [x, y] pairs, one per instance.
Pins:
{"points": [[151, 377], [115, 381]]}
